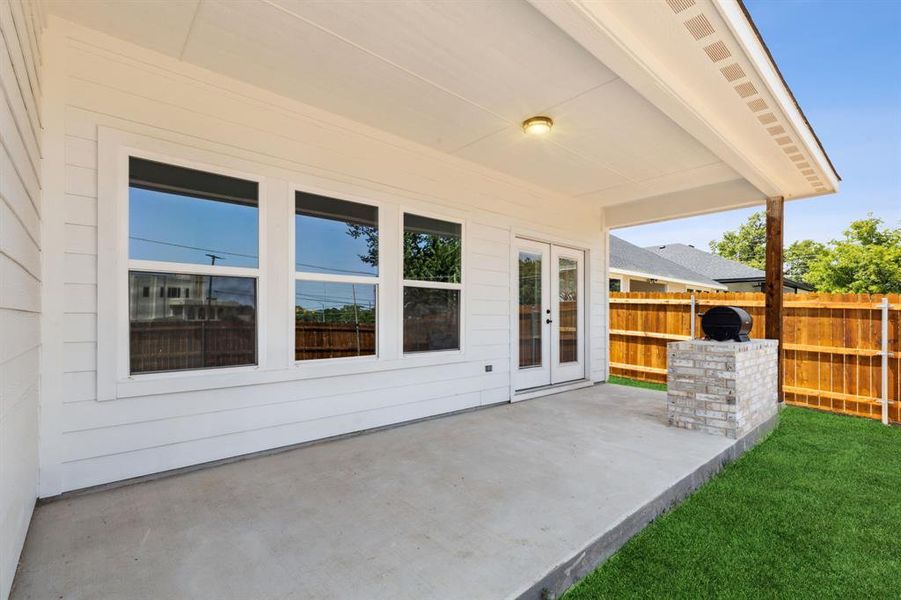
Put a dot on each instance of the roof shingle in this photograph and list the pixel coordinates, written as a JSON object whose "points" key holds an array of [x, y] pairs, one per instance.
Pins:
{"points": [[706, 263], [629, 257]]}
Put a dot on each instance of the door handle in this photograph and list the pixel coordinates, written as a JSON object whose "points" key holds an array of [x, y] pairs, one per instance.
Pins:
{"points": [[548, 321]]}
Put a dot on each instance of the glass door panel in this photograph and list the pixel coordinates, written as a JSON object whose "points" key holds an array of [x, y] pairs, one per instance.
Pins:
{"points": [[568, 296], [533, 318], [531, 314]]}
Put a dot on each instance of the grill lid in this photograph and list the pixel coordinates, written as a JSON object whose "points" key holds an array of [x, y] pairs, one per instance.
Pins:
{"points": [[725, 323]]}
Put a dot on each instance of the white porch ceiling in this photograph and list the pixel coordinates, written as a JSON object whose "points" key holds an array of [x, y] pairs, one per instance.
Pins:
{"points": [[456, 76]]}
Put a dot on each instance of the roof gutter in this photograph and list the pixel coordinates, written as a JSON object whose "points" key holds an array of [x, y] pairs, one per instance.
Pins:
{"points": [[712, 285], [788, 282]]}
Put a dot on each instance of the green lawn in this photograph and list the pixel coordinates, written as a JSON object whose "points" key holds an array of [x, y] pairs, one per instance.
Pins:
{"points": [[814, 511], [635, 383]]}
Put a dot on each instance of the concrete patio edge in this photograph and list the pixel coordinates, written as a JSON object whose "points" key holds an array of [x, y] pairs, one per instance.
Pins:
{"points": [[559, 579]]}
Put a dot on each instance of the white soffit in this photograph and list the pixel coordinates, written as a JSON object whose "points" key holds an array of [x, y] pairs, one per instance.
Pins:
{"points": [[456, 76], [160, 26], [686, 56]]}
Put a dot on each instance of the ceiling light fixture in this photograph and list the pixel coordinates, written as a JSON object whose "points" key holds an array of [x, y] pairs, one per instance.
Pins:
{"points": [[537, 126]]}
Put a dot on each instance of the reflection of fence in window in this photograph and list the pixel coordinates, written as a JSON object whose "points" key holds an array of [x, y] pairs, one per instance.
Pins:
{"points": [[334, 320], [431, 319], [569, 331], [530, 327], [333, 340], [174, 345], [530, 320]]}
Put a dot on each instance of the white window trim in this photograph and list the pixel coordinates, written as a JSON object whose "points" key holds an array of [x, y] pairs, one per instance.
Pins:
{"points": [[275, 298], [113, 262], [344, 364], [424, 356]]}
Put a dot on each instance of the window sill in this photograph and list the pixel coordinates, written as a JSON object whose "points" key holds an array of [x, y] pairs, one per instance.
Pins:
{"points": [[191, 381]]}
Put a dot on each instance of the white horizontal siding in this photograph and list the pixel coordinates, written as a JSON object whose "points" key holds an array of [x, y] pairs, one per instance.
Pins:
{"points": [[161, 458], [20, 277], [112, 84]]}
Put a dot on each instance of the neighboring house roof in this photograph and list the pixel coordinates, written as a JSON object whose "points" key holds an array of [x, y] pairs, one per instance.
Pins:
{"points": [[630, 259], [716, 267]]}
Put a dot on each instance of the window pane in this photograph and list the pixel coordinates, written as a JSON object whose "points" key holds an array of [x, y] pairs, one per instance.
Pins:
{"points": [[335, 236], [332, 320], [615, 285], [432, 249], [189, 216], [569, 309], [431, 319], [191, 321], [531, 320]]}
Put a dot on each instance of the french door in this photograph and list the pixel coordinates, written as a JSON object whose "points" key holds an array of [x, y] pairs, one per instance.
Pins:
{"points": [[550, 292]]}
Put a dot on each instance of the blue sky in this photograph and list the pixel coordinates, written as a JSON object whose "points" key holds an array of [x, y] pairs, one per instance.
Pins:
{"points": [[842, 60]]}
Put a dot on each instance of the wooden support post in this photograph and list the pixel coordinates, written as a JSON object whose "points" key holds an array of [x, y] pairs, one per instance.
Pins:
{"points": [[774, 278]]}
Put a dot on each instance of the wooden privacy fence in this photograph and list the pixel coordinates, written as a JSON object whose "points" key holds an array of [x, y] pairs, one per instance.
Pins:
{"points": [[840, 351]]}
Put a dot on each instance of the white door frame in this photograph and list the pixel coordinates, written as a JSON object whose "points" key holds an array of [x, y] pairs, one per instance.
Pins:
{"points": [[540, 381]]}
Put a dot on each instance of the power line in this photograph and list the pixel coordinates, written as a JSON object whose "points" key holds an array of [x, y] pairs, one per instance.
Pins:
{"points": [[200, 249], [329, 269], [142, 239]]}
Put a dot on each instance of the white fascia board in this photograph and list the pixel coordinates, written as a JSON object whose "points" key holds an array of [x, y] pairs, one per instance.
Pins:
{"points": [[686, 203], [734, 16], [627, 273]]}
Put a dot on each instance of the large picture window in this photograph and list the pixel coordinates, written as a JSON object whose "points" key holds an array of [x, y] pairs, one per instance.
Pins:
{"points": [[193, 240], [336, 257], [433, 258]]}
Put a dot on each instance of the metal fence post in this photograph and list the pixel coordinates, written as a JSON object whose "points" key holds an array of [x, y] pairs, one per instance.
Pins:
{"points": [[692, 317], [884, 353]]}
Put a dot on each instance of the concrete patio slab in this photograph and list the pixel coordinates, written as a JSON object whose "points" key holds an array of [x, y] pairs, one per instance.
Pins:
{"points": [[496, 503]]}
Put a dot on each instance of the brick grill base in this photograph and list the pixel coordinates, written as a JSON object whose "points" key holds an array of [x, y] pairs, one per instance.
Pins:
{"points": [[724, 388]]}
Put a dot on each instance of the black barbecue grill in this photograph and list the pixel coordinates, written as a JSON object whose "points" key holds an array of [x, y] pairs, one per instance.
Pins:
{"points": [[727, 323]]}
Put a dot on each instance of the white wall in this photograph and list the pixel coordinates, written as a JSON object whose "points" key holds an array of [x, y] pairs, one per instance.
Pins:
{"points": [[106, 83], [20, 274]]}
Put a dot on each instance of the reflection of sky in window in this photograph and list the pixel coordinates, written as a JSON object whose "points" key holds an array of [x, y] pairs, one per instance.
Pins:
{"points": [[320, 295], [325, 246], [161, 225], [237, 289]]}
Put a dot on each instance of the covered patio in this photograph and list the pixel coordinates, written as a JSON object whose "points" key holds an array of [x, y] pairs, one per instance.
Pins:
{"points": [[502, 502], [235, 227]]}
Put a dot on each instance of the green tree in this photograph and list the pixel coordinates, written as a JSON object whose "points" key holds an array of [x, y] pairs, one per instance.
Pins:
{"points": [[746, 245], [867, 260], [799, 256], [432, 257]]}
